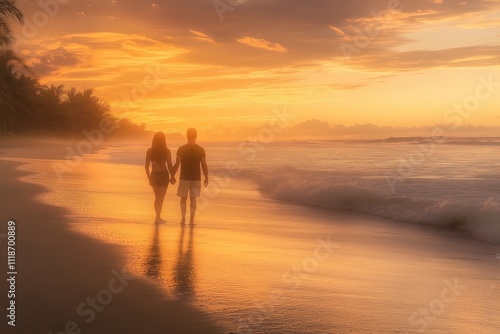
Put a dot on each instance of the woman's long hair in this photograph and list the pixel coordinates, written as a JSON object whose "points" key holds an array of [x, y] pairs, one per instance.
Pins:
{"points": [[159, 148]]}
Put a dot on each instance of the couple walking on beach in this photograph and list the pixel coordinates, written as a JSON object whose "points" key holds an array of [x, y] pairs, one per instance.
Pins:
{"points": [[190, 157]]}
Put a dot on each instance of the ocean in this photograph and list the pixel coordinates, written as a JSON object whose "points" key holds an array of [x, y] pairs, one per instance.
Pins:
{"points": [[454, 183], [358, 236]]}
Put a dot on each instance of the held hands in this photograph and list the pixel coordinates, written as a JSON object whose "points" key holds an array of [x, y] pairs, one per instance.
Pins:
{"points": [[173, 180]]}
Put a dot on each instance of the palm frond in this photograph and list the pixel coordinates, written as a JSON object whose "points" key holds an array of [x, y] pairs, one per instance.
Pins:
{"points": [[8, 10]]}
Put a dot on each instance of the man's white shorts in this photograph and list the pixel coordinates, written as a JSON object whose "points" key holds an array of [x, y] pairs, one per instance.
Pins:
{"points": [[188, 188]]}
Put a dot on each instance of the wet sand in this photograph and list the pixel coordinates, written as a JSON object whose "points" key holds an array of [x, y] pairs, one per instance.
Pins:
{"points": [[59, 269], [256, 265]]}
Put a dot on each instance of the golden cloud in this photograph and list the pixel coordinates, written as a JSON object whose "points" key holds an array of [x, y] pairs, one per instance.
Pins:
{"points": [[201, 36], [261, 43]]}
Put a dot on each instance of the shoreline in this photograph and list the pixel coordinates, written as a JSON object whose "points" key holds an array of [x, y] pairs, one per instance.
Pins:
{"points": [[67, 281], [240, 265]]}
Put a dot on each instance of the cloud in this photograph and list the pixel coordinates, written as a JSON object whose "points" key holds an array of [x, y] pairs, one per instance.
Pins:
{"points": [[315, 129], [109, 62], [261, 43], [314, 32], [340, 32], [53, 60], [477, 56], [267, 51], [201, 36]]}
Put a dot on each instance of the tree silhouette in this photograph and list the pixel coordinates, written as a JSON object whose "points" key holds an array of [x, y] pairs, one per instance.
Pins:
{"points": [[28, 106], [85, 109], [8, 10], [10, 74]]}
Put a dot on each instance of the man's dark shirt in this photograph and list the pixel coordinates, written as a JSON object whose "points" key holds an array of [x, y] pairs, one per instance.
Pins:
{"points": [[191, 155]]}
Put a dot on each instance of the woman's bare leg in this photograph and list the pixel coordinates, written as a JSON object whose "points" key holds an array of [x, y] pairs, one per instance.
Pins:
{"points": [[159, 198]]}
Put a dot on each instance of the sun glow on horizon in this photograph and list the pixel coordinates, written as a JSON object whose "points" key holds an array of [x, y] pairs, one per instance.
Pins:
{"points": [[172, 73]]}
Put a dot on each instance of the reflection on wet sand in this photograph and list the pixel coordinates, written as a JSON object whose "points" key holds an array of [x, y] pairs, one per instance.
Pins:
{"points": [[184, 270], [153, 263]]}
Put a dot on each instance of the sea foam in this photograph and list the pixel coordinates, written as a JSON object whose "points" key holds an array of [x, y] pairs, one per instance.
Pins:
{"points": [[481, 218]]}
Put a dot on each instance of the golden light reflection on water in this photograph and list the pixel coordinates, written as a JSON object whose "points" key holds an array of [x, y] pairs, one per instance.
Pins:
{"points": [[102, 190], [235, 257]]}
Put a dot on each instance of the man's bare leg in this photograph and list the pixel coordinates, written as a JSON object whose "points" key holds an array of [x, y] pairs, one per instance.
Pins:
{"points": [[193, 209], [183, 209]]}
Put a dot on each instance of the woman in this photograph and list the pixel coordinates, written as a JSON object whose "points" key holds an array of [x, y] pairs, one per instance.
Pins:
{"points": [[159, 156]]}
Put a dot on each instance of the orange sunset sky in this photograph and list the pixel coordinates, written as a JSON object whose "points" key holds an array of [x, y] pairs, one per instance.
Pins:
{"points": [[230, 62]]}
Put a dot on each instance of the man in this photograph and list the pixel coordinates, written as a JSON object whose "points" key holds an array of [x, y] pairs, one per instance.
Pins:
{"points": [[190, 157]]}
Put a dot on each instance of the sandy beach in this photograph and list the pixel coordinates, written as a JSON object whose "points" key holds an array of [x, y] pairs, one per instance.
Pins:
{"points": [[254, 265], [59, 269], [342, 159]]}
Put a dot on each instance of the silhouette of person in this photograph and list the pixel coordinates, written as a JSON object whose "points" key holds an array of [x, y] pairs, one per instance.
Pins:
{"points": [[190, 157], [159, 157]]}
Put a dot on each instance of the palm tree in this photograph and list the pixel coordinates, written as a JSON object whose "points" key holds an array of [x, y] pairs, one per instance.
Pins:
{"points": [[8, 10], [28, 112], [85, 108], [10, 66], [56, 114], [9, 63]]}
